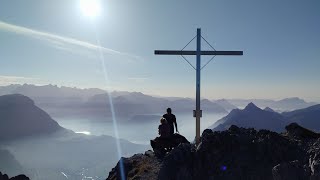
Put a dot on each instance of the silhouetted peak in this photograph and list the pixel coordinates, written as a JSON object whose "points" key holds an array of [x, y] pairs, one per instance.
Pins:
{"points": [[251, 107], [20, 117], [15, 99]]}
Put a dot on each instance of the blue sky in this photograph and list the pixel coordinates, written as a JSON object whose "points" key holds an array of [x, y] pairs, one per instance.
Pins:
{"points": [[44, 42]]}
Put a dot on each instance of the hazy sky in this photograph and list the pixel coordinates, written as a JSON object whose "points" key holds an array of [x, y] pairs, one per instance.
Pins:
{"points": [[45, 42]]}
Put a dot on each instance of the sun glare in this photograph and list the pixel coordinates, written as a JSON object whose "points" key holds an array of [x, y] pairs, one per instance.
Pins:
{"points": [[90, 8]]}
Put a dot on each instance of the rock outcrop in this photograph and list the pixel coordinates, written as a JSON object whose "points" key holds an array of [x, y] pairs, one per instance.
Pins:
{"points": [[19, 177], [139, 166], [237, 153]]}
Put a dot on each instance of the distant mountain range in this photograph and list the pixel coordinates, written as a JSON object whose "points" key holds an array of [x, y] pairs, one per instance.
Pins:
{"points": [[253, 117], [95, 103], [225, 104], [287, 104], [47, 91]]}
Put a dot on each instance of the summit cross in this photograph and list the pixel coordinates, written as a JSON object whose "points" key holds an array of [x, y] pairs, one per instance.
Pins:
{"points": [[198, 112]]}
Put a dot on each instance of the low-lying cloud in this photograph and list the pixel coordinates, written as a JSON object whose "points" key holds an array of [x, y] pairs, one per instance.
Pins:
{"points": [[7, 80], [60, 42]]}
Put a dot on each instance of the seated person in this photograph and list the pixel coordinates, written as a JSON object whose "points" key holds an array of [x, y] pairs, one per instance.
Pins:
{"points": [[164, 128]]}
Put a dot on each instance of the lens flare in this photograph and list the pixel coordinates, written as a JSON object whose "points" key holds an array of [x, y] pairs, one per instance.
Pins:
{"points": [[223, 168], [114, 120]]}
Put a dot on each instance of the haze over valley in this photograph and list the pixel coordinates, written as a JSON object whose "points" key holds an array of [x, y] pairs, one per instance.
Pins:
{"points": [[31, 137], [158, 90]]}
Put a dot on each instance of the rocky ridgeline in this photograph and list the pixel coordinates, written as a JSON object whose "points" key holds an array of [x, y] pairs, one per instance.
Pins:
{"points": [[19, 177], [237, 153]]}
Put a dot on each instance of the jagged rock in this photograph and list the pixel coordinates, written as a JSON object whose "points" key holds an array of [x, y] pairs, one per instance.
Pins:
{"points": [[177, 164], [19, 177], [298, 132], [314, 160], [3, 176], [237, 153], [139, 166], [290, 170]]}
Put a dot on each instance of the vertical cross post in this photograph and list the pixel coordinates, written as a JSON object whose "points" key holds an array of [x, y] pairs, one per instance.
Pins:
{"points": [[197, 113], [198, 80]]}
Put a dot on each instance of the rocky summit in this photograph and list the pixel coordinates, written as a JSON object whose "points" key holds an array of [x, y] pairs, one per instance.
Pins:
{"points": [[236, 153]]}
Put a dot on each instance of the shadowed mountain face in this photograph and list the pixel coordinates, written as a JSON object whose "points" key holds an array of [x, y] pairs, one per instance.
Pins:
{"points": [[269, 109], [308, 117], [19, 117], [252, 117], [236, 153]]}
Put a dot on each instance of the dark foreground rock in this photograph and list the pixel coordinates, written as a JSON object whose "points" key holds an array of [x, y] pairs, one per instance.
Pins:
{"points": [[139, 166], [19, 177], [237, 153]]}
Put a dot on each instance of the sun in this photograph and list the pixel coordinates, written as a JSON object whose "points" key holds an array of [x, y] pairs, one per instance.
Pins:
{"points": [[90, 8]]}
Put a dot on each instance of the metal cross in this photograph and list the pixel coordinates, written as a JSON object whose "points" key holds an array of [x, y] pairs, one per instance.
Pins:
{"points": [[198, 112]]}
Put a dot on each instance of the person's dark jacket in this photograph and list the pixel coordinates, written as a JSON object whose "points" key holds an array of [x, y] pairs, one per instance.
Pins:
{"points": [[171, 119], [164, 130]]}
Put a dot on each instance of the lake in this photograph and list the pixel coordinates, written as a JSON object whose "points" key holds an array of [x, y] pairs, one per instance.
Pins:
{"points": [[138, 131]]}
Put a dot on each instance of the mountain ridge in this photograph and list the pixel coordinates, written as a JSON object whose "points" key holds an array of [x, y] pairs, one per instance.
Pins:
{"points": [[254, 117], [236, 153]]}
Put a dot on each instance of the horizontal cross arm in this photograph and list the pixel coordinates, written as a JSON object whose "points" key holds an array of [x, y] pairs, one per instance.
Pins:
{"points": [[174, 52]]}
